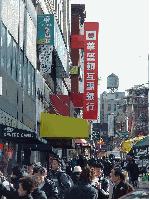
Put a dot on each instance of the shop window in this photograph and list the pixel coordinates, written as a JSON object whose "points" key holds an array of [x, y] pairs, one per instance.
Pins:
{"points": [[3, 45], [9, 53]]}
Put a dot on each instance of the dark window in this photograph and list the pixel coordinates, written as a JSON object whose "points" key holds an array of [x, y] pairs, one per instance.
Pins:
{"points": [[114, 107], [109, 107]]}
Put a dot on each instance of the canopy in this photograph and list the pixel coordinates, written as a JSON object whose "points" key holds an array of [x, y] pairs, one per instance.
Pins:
{"points": [[141, 148], [127, 145], [83, 142]]}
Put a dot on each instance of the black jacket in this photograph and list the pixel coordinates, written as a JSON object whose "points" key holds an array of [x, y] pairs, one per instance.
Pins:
{"points": [[60, 181], [75, 177], [50, 190], [121, 189], [38, 194], [82, 190]]}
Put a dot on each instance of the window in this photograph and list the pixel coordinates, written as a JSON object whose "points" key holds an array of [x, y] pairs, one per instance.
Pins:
{"points": [[14, 61], [114, 107], [33, 82], [20, 69], [102, 106], [25, 75], [109, 107], [3, 46], [9, 54], [29, 78]]}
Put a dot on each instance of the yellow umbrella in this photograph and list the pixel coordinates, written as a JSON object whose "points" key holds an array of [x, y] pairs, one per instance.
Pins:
{"points": [[128, 144]]}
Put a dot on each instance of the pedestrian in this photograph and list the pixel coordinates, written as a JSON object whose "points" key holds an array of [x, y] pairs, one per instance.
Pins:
{"points": [[24, 190], [76, 174], [82, 162], [134, 173], [68, 168], [107, 166], [37, 193], [121, 187], [17, 173], [30, 169], [83, 188], [61, 180], [46, 185], [101, 183], [73, 162]]}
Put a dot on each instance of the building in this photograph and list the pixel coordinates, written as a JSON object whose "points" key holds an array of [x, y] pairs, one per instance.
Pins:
{"points": [[25, 92]]}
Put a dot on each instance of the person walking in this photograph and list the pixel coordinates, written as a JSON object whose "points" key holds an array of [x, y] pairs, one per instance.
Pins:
{"points": [[100, 182], [61, 180], [76, 174], [83, 188], [37, 193], [46, 185], [134, 173], [121, 187]]}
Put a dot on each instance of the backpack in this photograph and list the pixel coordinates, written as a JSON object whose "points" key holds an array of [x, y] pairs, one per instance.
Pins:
{"points": [[69, 180]]}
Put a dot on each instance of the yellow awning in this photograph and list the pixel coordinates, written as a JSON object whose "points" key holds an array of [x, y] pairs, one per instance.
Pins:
{"points": [[127, 145], [63, 127]]}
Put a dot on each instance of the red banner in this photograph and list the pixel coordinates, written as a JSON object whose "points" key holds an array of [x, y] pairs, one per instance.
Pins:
{"points": [[90, 97]]}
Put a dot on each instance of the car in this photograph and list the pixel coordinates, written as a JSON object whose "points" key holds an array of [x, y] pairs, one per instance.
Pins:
{"points": [[137, 194]]}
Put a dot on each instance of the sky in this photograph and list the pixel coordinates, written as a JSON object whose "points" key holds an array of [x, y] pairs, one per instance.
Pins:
{"points": [[123, 45]]}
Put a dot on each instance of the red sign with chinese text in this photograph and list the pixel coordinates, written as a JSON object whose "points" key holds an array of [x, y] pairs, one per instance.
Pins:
{"points": [[90, 97]]}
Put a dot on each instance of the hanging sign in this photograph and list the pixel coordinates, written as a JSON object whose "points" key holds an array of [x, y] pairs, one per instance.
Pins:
{"points": [[90, 97]]}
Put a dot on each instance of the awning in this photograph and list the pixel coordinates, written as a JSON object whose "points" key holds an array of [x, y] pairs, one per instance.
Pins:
{"points": [[63, 127], [127, 145], [83, 142], [20, 136]]}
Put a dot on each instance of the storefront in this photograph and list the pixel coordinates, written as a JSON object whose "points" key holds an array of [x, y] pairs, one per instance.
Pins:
{"points": [[16, 146]]}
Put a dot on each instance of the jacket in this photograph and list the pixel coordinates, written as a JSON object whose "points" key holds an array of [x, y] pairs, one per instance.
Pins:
{"points": [[82, 190], [50, 190], [38, 194], [60, 181], [121, 189], [103, 193]]}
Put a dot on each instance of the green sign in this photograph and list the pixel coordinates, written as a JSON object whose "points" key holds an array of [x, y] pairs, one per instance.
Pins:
{"points": [[45, 29], [124, 134]]}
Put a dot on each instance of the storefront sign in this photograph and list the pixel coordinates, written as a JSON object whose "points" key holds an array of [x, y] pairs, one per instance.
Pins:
{"points": [[45, 57], [10, 132], [90, 97], [45, 29]]}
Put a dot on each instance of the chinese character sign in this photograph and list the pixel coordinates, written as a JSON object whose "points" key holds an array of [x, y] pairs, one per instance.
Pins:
{"points": [[90, 98], [45, 29], [45, 58]]}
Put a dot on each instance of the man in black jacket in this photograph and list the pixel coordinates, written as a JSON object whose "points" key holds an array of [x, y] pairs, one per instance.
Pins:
{"points": [[121, 187], [59, 178], [101, 183], [46, 185]]}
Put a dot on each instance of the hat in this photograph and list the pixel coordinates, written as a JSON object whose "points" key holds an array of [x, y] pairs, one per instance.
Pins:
{"points": [[77, 169]]}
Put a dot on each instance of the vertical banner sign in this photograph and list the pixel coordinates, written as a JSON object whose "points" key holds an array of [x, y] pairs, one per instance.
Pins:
{"points": [[45, 58], [45, 41], [90, 97]]}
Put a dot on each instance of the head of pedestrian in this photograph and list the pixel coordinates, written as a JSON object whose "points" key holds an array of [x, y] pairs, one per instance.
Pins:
{"points": [[40, 172], [99, 169], [26, 186], [87, 174], [36, 180], [77, 169], [118, 176], [56, 164], [16, 172], [30, 169]]}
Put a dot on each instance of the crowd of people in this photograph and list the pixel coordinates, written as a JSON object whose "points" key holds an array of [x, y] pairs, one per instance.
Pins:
{"points": [[79, 179]]}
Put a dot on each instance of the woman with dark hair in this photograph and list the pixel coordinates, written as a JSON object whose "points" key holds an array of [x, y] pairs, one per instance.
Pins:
{"points": [[83, 188]]}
